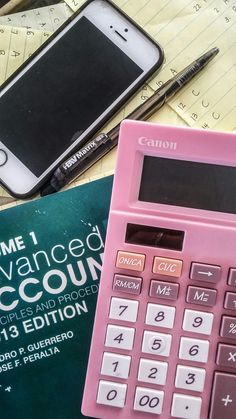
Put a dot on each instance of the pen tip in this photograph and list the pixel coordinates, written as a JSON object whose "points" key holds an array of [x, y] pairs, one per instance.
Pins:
{"points": [[208, 56], [47, 190]]}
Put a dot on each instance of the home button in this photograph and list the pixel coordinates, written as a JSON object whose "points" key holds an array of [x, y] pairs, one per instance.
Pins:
{"points": [[3, 157]]}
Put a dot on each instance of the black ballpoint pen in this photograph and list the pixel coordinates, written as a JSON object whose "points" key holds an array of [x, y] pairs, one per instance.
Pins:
{"points": [[94, 150]]}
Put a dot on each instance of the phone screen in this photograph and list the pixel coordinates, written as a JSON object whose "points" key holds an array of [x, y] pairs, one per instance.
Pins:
{"points": [[64, 92]]}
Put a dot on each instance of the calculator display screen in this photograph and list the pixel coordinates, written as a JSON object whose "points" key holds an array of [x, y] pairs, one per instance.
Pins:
{"points": [[188, 184]]}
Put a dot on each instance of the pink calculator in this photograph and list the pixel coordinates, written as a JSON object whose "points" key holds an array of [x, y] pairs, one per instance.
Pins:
{"points": [[164, 340]]}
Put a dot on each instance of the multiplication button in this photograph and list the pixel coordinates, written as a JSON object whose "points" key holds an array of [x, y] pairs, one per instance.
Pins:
{"points": [[226, 355], [111, 394]]}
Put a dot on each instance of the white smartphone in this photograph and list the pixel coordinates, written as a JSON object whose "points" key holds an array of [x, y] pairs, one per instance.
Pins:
{"points": [[68, 90]]}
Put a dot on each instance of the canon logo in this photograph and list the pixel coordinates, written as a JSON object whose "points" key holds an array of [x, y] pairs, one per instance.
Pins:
{"points": [[150, 142]]}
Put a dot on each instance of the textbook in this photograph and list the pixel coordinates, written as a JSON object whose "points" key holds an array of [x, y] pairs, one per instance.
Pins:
{"points": [[51, 254]]}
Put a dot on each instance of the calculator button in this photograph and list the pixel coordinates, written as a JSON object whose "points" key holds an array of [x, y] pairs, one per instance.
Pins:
{"points": [[198, 322], [226, 355], [186, 407], [115, 365], [156, 343], [148, 400], [152, 371], [131, 261], [162, 316], [111, 394], [228, 327], [165, 290], [190, 378], [223, 402], [127, 284], [126, 310], [169, 267], [232, 277], [205, 273], [194, 349], [230, 301], [201, 296], [120, 337]]}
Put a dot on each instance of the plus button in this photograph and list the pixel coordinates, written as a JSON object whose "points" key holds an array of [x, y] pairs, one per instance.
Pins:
{"points": [[227, 400]]}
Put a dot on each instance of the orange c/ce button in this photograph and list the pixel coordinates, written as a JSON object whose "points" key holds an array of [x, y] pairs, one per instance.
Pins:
{"points": [[169, 267], [131, 261]]}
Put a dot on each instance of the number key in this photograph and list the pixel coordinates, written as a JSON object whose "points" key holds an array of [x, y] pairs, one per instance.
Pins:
{"points": [[151, 371], [111, 394], [148, 400], [119, 337], [198, 322], [122, 309], [156, 343], [115, 365], [194, 349], [160, 315], [190, 378]]}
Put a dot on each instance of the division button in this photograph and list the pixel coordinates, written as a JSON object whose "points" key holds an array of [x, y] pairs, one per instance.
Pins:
{"points": [[205, 273], [168, 267], [201, 296], [230, 301], [111, 394], [186, 407], [131, 261], [127, 284], [223, 401], [226, 356], [165, 290]]}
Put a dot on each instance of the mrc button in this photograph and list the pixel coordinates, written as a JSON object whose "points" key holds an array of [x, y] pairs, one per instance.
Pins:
{"points": [[204, 272], [165, 266]]}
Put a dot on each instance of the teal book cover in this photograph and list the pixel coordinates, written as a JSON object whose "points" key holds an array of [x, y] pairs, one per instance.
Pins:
{"points": [[51, 254]]}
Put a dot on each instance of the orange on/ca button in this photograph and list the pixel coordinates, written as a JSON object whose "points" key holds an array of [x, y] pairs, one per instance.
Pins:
{"points": [[131, 261], [169, 267]]}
